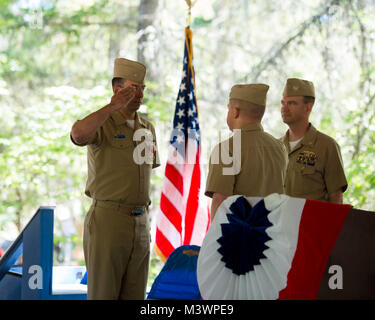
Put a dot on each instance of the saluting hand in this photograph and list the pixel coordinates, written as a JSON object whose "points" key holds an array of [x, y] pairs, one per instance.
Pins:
{"points": [[122, 98]]}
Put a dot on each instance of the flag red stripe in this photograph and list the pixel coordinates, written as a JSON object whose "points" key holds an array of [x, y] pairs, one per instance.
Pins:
{"points": [[172, 214], [163, 243], [174, 177], [192, 202], [318, 232]]}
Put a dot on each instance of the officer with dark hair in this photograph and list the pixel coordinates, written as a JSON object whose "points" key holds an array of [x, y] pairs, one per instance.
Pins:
{"points": [[116, 236]]}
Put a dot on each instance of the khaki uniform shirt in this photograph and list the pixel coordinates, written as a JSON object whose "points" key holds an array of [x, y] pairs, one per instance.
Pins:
{"points": [[119, 168], [261, 171], [315, 167]]}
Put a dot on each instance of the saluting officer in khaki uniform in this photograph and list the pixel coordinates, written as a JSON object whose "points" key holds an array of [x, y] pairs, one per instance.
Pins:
{"points": [[121, 152], [259, 160], [315, 169]]}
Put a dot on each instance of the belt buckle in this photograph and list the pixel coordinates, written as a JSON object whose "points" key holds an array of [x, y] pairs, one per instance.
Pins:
{"points": [[137, 212]]}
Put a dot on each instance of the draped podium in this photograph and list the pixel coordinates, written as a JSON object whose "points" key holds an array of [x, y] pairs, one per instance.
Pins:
{"points": [[281, 247]]}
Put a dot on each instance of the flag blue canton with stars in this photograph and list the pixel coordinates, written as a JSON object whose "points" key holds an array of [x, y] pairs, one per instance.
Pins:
{"points": [[185, 123]]}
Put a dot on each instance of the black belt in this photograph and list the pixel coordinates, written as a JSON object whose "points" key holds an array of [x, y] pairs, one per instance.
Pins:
{"points": [[131, 210]]}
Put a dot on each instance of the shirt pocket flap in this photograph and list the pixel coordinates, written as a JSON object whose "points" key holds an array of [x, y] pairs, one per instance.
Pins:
{"points": [[307, 170], [119, 143]]}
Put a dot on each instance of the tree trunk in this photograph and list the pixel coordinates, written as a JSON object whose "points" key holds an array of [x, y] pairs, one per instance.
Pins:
{"points": [[114, 46], [116, 36], [147, 50]]}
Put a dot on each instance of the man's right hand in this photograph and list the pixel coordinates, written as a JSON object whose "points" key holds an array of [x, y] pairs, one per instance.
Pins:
{"points": [[84, 129], [122, 98]]}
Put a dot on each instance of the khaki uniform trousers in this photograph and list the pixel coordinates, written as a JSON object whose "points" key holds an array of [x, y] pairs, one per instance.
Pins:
{"points": [[116, 245]]}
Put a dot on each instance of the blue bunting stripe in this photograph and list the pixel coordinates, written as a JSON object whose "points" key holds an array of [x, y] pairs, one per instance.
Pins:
{"points": [[243, 239]]}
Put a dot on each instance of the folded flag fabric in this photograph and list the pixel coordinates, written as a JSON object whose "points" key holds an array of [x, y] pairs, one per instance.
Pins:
{"points": [[271, 248], [178, 278]]}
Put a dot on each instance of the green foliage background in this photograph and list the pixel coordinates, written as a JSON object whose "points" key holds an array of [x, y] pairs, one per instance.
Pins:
{"points": [[56, 60]]}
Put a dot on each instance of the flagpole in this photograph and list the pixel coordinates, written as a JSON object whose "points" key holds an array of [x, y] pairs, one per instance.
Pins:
{"points": [[190, 4], [188, 39], [183, 217]]}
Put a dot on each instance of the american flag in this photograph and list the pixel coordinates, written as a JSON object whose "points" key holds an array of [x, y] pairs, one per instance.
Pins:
{"points": [[184, 215]]}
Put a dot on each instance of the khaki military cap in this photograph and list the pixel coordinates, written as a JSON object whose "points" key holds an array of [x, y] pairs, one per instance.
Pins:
{"points": [[129, 70], [254, 93], [298, 87]]}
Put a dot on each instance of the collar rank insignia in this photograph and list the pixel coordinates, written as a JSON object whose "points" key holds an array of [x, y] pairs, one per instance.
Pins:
{"points": [[307, 158]]}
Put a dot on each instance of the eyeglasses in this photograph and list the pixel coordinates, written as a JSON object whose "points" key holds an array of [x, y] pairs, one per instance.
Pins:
{"points": [[138, 88]]}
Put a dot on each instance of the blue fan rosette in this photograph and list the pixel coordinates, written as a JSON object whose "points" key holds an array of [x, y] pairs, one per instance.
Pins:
{"points": [[246, 228]]}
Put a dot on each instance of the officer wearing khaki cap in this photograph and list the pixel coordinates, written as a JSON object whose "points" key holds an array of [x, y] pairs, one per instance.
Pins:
{"points": [[121, 152], [315, 168], [259, 160]]}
